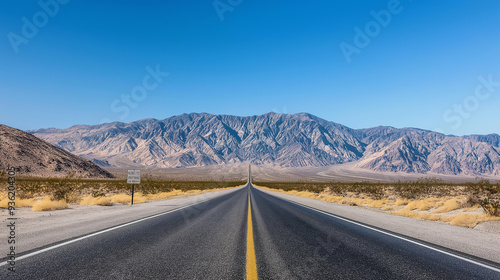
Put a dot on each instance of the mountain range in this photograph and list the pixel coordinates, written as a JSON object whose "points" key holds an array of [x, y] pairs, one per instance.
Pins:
{"points": [[285, 140]]}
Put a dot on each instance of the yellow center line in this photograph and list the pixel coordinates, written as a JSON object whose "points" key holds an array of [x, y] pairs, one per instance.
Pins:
{"points": [[251, 262]]}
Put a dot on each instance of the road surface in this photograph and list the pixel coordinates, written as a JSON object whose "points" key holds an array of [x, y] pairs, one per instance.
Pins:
{"points": [[210, 240]]}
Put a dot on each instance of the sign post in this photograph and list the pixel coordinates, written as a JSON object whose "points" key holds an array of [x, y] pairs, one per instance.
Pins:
{"points": [[133, 177]]}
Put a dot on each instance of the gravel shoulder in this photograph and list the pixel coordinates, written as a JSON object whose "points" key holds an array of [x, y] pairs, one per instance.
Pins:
{"points": [[38, 229], [482, 242]]}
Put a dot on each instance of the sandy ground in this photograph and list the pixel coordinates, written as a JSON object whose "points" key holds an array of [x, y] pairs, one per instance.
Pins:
{"points": [[482, 241], [346, 172]]}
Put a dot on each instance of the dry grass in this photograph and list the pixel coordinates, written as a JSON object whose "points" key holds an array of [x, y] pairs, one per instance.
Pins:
{"points": [[379, 203], [167, 195], [401, 201], [470, 220], [120, 198], [46, 204], [101, 200], [423, 204], [139, 197], [20, 202], [451, 204], [27, 202], [143, 198], [405, 212]]}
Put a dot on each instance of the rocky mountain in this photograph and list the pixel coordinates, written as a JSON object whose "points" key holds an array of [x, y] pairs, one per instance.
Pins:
{"points": [[34, 156], [491, 139], [281, 139], [419, 151], [204, 139]]}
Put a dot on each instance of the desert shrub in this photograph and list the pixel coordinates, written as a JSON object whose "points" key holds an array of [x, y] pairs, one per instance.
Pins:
{"points": [[428, 185], [421, 188], [490, 206], [97, 194], [337, 188], [149, 185], [315, 188], [28, 189], [485, 194], [63, 189], [405, 190], [373, 190]]}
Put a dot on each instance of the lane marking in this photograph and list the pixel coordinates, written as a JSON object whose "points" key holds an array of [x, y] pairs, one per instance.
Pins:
{"points": [[101, 232], [396, 236], [251, 260]]}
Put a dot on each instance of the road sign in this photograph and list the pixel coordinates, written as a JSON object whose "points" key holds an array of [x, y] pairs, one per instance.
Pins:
{"points": [[134, 177]]}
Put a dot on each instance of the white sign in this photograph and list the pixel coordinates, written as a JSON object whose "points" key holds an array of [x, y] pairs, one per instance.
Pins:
{"points": [[134, 177]]}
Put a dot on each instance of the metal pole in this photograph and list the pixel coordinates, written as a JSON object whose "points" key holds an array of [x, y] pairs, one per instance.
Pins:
{"points": [[132, 195]]}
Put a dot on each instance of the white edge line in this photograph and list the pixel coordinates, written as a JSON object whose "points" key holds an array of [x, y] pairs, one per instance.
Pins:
{"points": [[99, 232], [396, 236]]}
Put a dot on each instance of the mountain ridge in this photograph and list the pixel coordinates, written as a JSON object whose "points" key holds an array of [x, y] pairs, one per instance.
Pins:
{"points": [[285, 140]]}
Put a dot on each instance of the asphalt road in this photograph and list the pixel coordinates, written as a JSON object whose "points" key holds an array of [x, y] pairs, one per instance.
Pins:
{"points": [[209, 241]]}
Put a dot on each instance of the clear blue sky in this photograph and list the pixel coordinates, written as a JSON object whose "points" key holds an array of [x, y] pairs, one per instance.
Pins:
{"points": [[420, 69]]}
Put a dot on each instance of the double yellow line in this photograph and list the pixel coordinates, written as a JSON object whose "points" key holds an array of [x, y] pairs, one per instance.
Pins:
{"points": [[251, 261]]}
